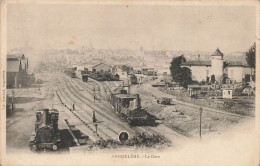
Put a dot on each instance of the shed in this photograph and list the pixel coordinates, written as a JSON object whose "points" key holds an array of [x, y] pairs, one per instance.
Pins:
{"points": [[227, 93], [101, 67]]}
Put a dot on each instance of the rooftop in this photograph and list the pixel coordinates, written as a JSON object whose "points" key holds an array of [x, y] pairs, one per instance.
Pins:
{"points": [[217, 53], [237, 63], [100, 64], [197, 63], [208, 63], [12, 56], [132, 96]]}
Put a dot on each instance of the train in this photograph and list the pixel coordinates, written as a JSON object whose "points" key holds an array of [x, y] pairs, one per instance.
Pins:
{"points": [[128, 106], [46, 134], [84, 78], [70, 72], [133, 79], [103, 76]]}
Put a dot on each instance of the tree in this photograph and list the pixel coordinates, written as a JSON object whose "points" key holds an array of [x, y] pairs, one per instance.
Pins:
{"points": [[181, 75], [250, 57], [127, 68]]}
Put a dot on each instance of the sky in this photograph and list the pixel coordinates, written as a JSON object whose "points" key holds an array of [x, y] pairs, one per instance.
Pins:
{"points": [[189, 28]]}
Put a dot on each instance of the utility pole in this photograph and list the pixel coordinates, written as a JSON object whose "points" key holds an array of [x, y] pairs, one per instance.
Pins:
{"points": [[200, 119], [94, 89], [94, 120]]}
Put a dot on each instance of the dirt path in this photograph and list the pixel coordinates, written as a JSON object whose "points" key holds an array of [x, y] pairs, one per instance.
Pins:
{"points": [[20, 124]]}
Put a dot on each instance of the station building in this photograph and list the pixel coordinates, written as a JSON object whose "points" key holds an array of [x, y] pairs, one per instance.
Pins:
{"points": [[101, 67], [17, 71]]}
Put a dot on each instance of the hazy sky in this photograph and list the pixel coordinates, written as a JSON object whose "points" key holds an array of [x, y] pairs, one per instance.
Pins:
{"points": [[190, 28]]}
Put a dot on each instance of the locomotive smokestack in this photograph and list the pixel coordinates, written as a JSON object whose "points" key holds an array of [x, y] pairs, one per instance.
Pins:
{"points": [[44, 116], [138, 101]]}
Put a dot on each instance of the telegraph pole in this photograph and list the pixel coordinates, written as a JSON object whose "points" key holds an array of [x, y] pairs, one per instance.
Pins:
{"points": [[94, 120], [94, 89], [200, 119]]}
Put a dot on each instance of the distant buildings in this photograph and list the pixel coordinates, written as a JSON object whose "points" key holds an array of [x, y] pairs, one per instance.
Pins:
{"points": [[101, 67], [222, 70], [17, 71]]}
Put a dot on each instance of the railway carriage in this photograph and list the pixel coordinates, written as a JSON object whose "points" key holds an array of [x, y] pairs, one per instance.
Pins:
{"points": [[70, 72], [84, 78], [103, 76]]}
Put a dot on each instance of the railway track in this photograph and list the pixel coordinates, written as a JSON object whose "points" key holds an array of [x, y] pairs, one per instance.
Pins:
{"points": [[86, 120], [78, 97], [146, 129], [136, 129], [103, 107], [92, 129]]}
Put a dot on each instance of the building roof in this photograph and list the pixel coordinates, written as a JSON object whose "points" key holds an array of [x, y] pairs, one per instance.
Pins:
{"points": [[101, 64], [208, 63], [198, 86], [130, 96], [13, 66], [196, 63], [236, 64], [217, 53], [227, 88], [16, 56]]}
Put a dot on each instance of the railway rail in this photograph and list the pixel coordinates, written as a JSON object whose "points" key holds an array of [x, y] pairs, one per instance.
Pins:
{"points": [[80, 101], [108, 111]]}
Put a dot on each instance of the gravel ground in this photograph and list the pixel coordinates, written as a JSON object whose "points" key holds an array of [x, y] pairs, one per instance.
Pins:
{"points": [[180, 117]]}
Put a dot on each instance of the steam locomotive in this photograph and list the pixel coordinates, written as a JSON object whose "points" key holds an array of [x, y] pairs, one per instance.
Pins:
{"points": [[128, 106], [46, 134], [133, 79]]}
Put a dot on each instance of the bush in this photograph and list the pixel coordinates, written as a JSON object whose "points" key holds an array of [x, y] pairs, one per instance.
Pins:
{"points": [[139, 140]]}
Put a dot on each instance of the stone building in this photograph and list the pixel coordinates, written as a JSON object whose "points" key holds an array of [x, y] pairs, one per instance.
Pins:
{"points": [[217, 66]]}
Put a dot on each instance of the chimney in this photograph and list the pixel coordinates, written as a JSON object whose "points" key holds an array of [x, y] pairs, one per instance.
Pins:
{"points": [[138, 100], [45, 116]]}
